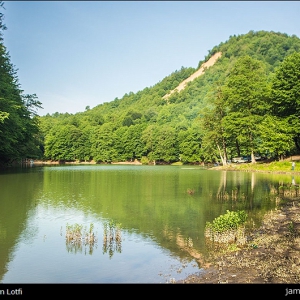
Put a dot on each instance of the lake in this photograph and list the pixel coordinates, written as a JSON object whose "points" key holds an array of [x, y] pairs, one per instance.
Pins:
{"points": [[147, 222]]}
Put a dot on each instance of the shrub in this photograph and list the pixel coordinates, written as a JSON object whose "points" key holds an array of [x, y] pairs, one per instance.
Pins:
{"points": [[227, 227], [145, 160], [230, 220]]}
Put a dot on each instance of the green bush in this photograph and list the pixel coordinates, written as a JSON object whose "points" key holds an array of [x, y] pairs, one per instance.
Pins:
{"points": [[145, 160], [229, 221]]}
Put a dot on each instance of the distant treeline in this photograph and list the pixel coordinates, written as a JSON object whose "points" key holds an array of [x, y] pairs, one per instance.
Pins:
{"points": [[247, 103]]}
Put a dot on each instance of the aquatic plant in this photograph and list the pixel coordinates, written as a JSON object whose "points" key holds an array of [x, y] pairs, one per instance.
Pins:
{"points": [[78, 237], [112, 238], [227, 228]]}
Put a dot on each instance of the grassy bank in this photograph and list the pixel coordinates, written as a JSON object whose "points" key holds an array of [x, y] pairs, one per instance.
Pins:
{"points": [[284, 166]]}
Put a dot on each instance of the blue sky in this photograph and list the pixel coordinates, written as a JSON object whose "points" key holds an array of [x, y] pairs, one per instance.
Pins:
{"points": [[74, 54]]}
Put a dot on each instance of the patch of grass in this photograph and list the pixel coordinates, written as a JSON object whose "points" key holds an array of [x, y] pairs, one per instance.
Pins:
{"points": [[275, 166], [177, 163]]}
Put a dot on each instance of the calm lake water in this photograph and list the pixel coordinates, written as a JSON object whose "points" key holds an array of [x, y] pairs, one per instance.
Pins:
{"points": [[159, 222]]}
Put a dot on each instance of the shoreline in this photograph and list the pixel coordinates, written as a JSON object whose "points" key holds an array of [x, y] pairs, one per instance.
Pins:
{"points": [[270, 255], [50, 162], [251, 168]]}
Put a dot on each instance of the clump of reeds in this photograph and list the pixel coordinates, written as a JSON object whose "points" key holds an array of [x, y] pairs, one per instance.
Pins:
{"points": [[112, 238], [289, 190], [78, 236]]}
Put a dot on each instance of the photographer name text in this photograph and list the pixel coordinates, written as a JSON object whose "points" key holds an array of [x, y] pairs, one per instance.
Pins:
{"points": [[11, 292]]}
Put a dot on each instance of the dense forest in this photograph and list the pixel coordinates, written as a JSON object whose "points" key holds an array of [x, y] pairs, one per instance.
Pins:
{"points": [[246, 104], [19, 128]]}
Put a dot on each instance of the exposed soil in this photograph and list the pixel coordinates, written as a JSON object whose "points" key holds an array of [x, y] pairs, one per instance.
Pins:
{"points": [[198, 73], [271, 253]]}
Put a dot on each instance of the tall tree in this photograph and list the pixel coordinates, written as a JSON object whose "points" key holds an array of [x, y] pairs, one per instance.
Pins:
{"points": [[245, 95], [166, 144], [18, 120], [285, 94], [189, 141], [214, 141], [276, 137], [103, 143]]}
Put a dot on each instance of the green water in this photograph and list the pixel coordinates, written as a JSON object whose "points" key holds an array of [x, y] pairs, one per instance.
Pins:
{"points": [[161, 222]]}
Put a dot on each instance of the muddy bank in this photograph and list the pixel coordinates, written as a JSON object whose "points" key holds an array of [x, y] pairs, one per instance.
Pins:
{"points": [[270, 255]]}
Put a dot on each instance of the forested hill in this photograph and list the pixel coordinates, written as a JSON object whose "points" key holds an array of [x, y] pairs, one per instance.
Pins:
{"points": [[227, 111]]}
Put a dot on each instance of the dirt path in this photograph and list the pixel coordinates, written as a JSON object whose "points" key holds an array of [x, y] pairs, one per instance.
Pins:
{"points": [[198, 73]]}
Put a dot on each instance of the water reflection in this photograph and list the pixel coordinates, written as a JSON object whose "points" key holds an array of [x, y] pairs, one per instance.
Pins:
{"points": [[289, 189], [112, 239], [79, 238], [19, 191], [163, 211]]}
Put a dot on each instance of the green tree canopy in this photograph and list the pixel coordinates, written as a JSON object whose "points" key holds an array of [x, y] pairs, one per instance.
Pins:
{"points": [[245, 95], [18, 121], [285, 94]]}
